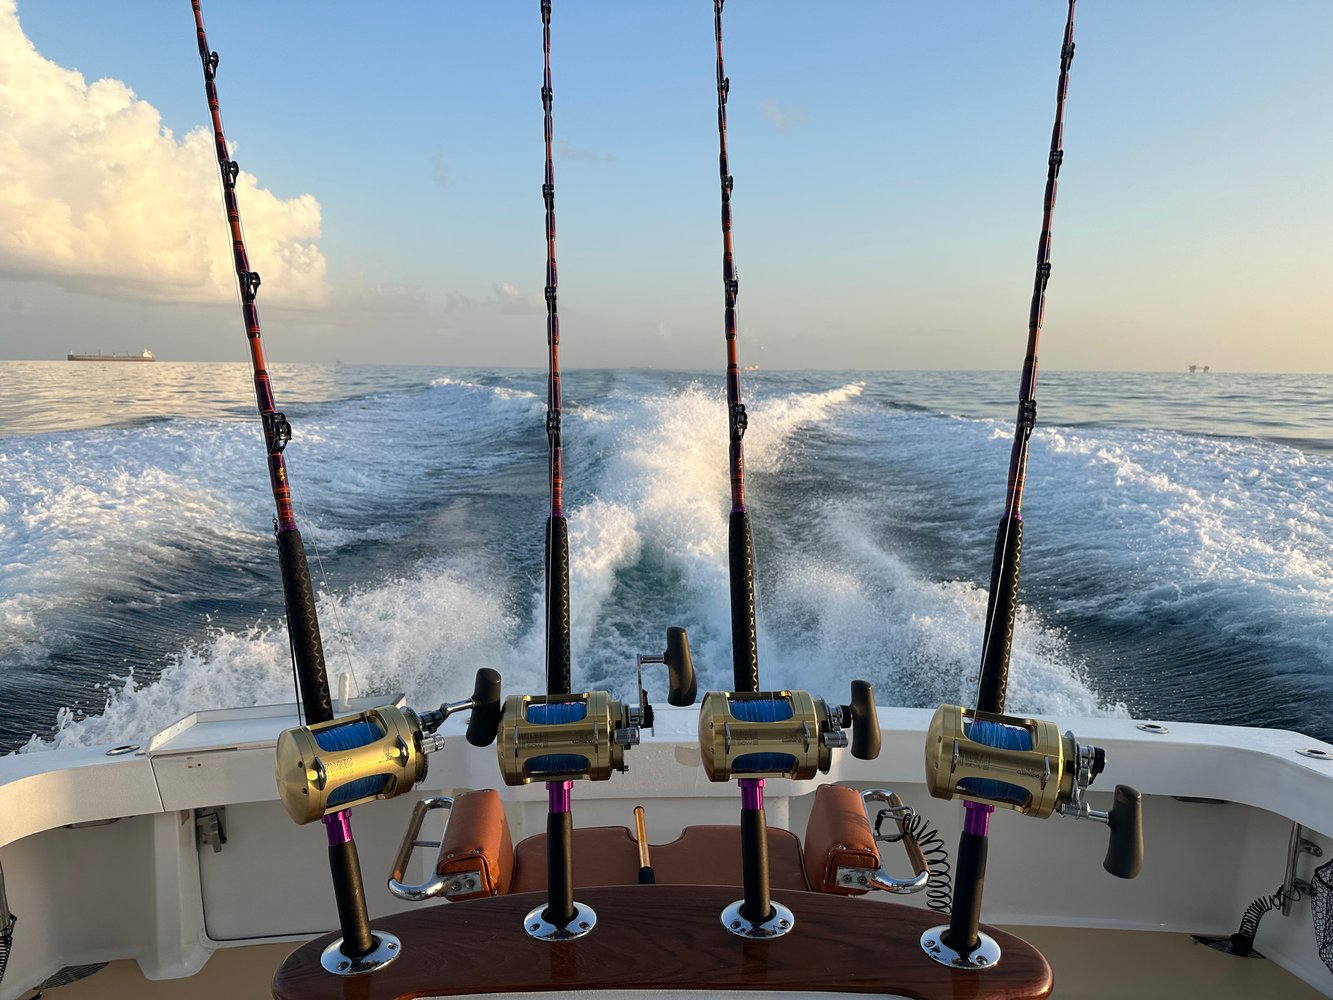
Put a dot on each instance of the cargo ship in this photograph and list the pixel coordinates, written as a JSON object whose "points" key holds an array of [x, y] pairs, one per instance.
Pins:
{"points": [[147, 355]]}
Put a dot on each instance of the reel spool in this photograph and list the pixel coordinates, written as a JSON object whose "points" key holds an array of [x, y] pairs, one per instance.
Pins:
{"points": [[782, 734], [1028, 766], [564, 737], [335, 765]]}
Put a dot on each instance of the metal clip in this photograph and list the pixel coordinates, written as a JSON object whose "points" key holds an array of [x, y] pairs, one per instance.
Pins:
{"points": [[230, 173], [553, 428], [739, 421], [210, 64], [277, 430], [548, 196], [1066, 55], [249, 285], [547, 94], [1027, 417]]}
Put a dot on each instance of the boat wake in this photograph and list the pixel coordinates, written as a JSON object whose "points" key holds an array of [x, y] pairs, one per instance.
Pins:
{"points": [[420, 592]]}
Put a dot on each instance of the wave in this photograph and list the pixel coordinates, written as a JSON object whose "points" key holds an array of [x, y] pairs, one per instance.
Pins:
{"points": [[873, 558]]}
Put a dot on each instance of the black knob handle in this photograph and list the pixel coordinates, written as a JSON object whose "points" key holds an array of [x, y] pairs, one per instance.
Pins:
{"points": [[484, 722], [865, 723], [1124, 855], [680, 668]]}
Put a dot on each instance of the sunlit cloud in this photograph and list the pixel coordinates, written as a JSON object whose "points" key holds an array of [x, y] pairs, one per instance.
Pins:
{"points": [[782, 118], [98, 197], [515, 302]]}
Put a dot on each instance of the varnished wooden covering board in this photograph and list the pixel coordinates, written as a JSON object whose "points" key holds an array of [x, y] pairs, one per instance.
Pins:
{"points": [[666, 937]]}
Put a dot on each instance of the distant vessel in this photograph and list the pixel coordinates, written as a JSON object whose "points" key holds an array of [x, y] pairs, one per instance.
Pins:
{"points": [[147, 355]]}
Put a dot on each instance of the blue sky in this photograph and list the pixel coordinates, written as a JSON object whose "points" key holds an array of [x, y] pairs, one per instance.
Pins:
{"points": [[889, 162]]}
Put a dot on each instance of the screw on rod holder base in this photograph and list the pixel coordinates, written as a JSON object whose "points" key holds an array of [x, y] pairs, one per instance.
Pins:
{"points": [[537, 926], [778, 922], [985, 955], [387, 948]]}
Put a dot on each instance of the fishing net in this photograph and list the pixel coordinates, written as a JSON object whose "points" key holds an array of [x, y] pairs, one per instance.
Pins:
{"points": [[1321, 908]]}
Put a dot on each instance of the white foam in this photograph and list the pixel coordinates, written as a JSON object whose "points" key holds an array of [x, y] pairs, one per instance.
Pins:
{"points": [[1162, 515]]}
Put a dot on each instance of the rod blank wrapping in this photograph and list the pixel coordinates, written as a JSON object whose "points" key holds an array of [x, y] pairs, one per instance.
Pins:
{"points": [[303, 628], [744, 647], [1001, 608], [558, 680]]}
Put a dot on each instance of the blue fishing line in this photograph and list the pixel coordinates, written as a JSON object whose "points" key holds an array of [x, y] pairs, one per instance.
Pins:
{"points": [[1003, 737], [349, 737]]}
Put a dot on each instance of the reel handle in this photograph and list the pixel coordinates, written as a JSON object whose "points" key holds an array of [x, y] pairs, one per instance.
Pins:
{"points": [[1124, 853], [682, 686], [484, 722], [865, 722]]}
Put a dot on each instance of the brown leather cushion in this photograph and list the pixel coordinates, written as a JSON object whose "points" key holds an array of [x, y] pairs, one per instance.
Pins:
{"points": [[711, 855], [701, 855], [603, 855], [838, 835], [477, 840]]}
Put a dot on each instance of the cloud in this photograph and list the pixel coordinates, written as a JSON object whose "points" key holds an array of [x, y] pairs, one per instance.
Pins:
{"points": [[514, 302], [98, 197], [782, 118]]}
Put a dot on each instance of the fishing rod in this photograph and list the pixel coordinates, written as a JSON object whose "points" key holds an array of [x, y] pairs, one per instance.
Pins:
{"points": [[558, 679], [1002, 603], [740, 545], [358, 945], [962, 942]]}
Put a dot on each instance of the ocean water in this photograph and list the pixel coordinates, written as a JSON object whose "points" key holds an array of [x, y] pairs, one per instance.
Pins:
{"points": [[1178, 557]]}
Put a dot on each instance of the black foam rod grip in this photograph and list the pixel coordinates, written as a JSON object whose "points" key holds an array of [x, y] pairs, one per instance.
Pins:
{"points": [[965, 917], [865, 722], [303, 628], [744, 644], [758, 904], [559, 869], [557, 606], [1001, 606], [484, 722], [680, 668], [350, 895], [1124, 855]]}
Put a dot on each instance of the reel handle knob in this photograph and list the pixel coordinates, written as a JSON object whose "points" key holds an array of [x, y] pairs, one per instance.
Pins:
{"points": [[865, 723], [484, 721], [1124, 854], [680, 668]]}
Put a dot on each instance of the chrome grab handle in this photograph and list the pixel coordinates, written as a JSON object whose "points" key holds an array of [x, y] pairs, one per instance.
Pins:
{"points": [[900, 813], [426, 890]]}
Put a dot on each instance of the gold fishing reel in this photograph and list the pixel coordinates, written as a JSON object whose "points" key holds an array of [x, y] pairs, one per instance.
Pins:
{"points": [[1018, 763], [564, 737], [1027, 765], [342, 763], [782, 734], [331, 766]]}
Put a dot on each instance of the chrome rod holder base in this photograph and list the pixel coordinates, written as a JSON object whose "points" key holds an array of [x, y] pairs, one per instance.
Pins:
{"points": [[537, 926], [985, 955], [387, 948], [779, 922]]}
